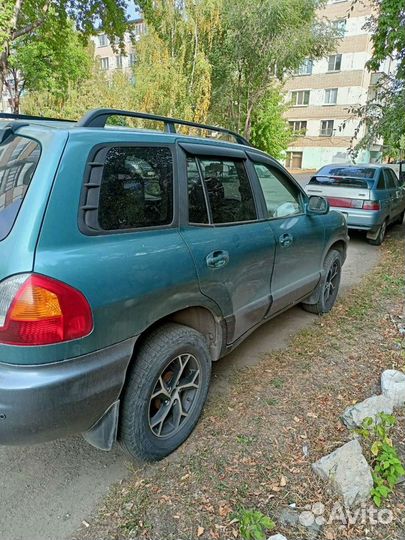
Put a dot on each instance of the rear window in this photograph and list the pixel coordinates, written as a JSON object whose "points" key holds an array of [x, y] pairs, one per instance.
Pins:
{"points": [[357, 177], [19, 157]]}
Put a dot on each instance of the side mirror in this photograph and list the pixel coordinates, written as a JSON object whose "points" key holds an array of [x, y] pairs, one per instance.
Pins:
{"points": [[317, 205]]}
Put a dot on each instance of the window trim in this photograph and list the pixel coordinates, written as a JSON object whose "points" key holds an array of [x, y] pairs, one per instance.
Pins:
{"points": [[303, 92], [268, 162], [221, 154], [98, 167], [328, 103], [332, 131], [340, 67]]}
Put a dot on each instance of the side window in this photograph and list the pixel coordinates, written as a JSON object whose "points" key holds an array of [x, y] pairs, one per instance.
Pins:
{"points": [[389, 181], [394, 178], [19, 158], [282, 197], [197, 205], [227, 188], [381, 182], [136, 188]]}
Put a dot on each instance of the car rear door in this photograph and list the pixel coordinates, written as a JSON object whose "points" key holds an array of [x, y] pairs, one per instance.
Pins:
{"points": [[395, 194], [233, 249], [300, 238]]}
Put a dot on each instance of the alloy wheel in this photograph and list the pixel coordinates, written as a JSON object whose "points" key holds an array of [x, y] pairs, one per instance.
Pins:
{"points": [[332, 281], [174, 395]]}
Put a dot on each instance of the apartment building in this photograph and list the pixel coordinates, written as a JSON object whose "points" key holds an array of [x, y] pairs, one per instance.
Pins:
{"points": [[111, 59], [322, 94]]}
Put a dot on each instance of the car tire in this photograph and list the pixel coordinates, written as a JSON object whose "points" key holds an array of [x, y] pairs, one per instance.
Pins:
{"points": [[328, 287], [381, 235], [165, 392]]}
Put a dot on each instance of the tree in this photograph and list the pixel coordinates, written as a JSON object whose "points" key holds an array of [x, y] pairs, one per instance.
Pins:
{"points": [[26, 21], [262, 40], [47, 60], [95, 91], [383, 115], [270, 130], [173, 71]]}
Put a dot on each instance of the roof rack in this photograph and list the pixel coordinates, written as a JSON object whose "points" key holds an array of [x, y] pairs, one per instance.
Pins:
{"points": [[99, 117], [32, 117]]}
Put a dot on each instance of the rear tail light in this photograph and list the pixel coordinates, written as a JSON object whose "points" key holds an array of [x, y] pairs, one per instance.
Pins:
{"points": [[37, 310], [371, 205], [343, 202]]}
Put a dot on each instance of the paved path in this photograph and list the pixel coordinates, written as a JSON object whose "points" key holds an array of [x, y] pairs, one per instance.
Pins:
{"points": [[47, 490]]}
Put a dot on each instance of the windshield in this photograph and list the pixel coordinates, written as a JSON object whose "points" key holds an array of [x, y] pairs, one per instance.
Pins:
{"points": [[19, 157], [357, 177]]}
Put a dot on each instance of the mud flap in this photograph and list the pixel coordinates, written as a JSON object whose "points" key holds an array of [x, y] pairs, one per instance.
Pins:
{"points": [[104, 432]]}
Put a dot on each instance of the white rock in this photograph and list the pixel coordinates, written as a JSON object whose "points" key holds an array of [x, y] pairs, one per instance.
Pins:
{"points": [[393, 386], [277, 537], [369, 408], [348, 471]]}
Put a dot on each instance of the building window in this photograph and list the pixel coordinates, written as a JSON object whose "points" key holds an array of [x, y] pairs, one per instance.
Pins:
{"points": [[331, 96], [298, 126], [340, 25], [118, 61], [104, 63], [131, 59], [305, 68], [102, 40], [326, 128], [139, 29], [300, 97], [293, 160], [335, 62]]}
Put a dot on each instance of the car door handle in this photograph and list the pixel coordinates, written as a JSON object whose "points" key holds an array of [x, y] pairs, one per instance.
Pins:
{"points": [[286, 240], [217, 259]]}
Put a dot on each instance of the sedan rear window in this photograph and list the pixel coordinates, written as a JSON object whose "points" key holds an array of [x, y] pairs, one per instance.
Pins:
{"points": [[19, 157], [357, 177]]}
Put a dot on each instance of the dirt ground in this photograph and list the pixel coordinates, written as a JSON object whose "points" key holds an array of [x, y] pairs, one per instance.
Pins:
{"points": [[255, 444]]}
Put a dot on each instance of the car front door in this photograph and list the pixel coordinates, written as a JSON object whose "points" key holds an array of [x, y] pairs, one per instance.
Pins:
{"points": [[233, 250], [300, 238]]}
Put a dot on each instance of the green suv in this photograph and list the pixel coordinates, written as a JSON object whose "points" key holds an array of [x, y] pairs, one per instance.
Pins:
{"points": [[130, 260]]}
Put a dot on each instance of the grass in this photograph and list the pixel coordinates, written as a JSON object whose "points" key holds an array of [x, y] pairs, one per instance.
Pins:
{"points": [[249, 452]]}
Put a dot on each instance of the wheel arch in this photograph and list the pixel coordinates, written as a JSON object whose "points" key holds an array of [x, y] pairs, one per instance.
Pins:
{"points": [[200, 318]]}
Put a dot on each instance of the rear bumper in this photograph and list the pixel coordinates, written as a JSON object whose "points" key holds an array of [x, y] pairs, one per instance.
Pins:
{"points": [[362, 219], [48, 401]]}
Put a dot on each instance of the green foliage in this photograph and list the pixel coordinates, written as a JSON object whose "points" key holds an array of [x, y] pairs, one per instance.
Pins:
{"points": [[245, 439], [253, 524], [32, 41], [52, 58], [384, 113], [173, 72], [388, 34], [95, 91], [270, 130], [260, 40], [387, 467]]}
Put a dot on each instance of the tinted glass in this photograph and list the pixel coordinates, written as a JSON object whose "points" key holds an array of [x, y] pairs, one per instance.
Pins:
{"points": [[381, 182], [136, 188], [19, 157], [229, 192], [359, 177], [282, 197], [197, 207], [389, 180]]}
